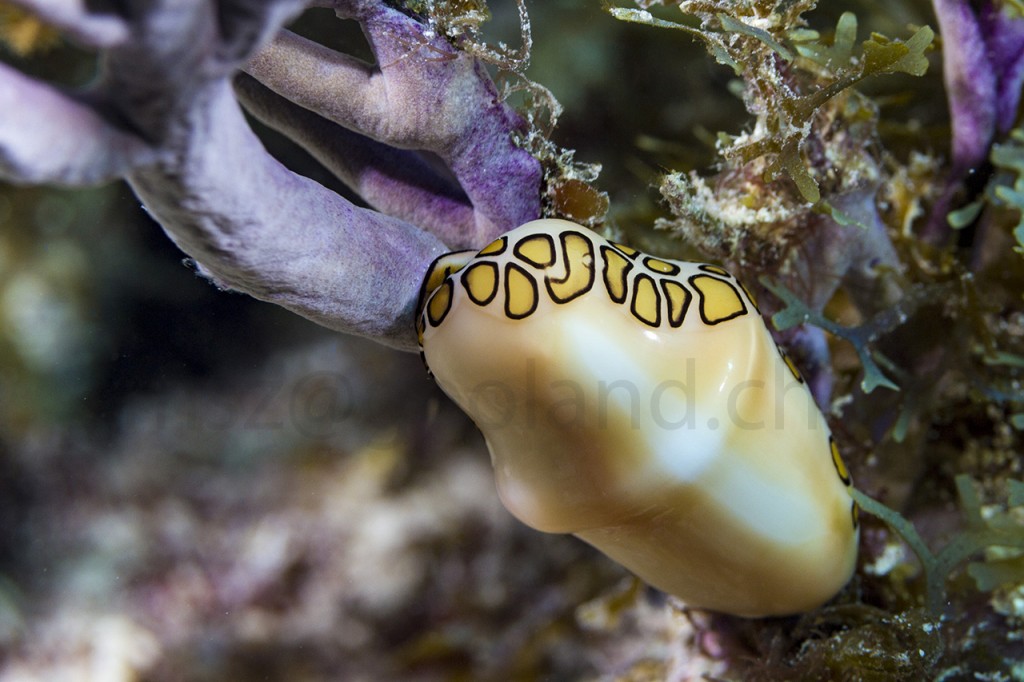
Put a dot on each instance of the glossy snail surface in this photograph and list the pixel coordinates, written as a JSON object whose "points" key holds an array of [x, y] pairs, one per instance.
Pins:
{"points": [[641, 404]]}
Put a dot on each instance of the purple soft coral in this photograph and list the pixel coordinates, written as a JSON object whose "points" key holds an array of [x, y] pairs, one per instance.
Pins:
{"points": [[423, 136], [983, 67], [983, 58]]}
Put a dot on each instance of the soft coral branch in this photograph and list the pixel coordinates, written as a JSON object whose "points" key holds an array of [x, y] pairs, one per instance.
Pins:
{"points": [[397, 182], [423, 136], [281, 237], [983, 60], [983, 68], [47, 136], [415, 98]]}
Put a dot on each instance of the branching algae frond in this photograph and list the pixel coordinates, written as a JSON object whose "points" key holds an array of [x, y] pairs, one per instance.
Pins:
{"points": [[795, 194], [1007, 189], [808, 122], [996, 531], [861, 337]]}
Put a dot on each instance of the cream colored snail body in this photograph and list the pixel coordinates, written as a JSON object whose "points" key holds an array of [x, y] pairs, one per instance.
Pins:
{"points": [[642, 405]]}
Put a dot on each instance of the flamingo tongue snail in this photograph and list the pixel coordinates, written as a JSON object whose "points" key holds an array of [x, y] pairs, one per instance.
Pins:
{"points": [[641, 404]]}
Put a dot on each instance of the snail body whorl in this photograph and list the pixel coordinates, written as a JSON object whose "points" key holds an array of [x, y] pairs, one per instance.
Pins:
{"points": [[642, 405]]}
